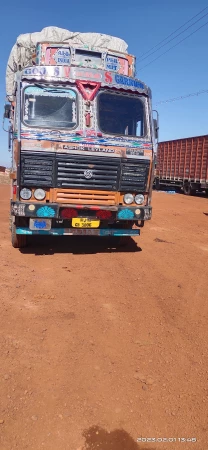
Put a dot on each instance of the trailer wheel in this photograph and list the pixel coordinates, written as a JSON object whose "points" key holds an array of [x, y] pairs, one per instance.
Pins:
{"points": [[157, 184], [18, 240], [187, 189]]}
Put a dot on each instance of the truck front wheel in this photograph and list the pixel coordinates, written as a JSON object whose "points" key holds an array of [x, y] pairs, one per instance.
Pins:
{"points": [[18, 240], [188, 190], [157, 184]]}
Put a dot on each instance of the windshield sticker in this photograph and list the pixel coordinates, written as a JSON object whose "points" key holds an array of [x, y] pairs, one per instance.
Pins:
{"points": [[35, 90]]}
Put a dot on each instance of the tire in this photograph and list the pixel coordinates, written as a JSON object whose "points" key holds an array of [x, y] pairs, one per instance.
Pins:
{"points": [[18, 240], [187, 189], [157, 184]]}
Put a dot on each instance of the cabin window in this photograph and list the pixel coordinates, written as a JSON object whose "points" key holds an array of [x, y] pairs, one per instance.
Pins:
{"points": [[121, 115], [50, 107]]}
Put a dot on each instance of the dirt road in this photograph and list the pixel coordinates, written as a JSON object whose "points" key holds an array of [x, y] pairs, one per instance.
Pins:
{"points": [[100, 347]]}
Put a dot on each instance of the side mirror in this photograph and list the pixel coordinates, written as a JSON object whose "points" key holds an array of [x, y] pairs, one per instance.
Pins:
{"points": [[156, 128], [156, 124], [7, 111]]}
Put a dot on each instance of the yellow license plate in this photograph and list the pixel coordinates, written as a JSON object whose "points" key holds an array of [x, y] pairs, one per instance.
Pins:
{"points": [[85, 223]]}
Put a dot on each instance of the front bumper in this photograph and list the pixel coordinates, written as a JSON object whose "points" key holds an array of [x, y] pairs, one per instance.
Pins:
{"points": [[53, 211], [79, 232]]}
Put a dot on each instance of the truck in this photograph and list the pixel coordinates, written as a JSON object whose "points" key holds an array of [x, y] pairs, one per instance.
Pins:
{"points": [[82, 135], [183, 164]]}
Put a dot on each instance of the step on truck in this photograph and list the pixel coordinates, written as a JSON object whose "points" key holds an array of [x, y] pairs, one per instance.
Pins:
{"points": [[82, 136]]}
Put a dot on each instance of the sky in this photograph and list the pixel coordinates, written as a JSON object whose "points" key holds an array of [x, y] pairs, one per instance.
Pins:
{"points": [[142, 25]]}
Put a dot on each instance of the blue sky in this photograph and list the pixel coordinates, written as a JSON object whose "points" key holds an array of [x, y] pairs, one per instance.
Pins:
{"points": [[181, 71]]}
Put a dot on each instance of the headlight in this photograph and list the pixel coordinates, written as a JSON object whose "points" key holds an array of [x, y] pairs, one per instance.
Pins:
{"points": [[139, 199], [39, 194], [128, 199], [25, 194]]}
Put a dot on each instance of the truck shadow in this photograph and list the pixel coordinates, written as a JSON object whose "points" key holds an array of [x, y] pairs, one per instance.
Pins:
{"points": [[98, 438], [48, 245]]}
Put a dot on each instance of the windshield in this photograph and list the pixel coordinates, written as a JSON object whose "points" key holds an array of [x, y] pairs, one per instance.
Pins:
{"points": [[121, 114], [50, 107]]}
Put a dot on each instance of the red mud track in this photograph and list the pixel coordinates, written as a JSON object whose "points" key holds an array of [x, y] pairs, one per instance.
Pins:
{"points": [[102, 346]]}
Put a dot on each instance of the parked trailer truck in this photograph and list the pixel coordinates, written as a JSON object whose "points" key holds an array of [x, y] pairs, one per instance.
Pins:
{"points": [[82, 135], [183, 163]]}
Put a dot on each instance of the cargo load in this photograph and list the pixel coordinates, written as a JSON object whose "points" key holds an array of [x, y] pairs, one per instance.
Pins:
{"points": [[23, 52]]}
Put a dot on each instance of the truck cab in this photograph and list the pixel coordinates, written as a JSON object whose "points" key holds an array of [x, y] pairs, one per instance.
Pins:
{"points": [[83, 141]]}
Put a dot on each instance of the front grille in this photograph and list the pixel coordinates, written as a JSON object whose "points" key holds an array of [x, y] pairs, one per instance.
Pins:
{"points": [[85, 197], [37, 170], [87, 172], [134, 175], [67, 171]]}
